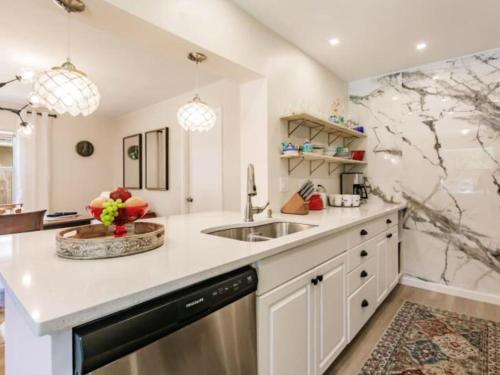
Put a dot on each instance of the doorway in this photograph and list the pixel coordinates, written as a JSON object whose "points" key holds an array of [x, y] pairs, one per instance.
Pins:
{"points": [[205, 169]]}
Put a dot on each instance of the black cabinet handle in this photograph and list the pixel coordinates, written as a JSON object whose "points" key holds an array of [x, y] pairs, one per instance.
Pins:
{"points": [[363, 232], [389, 235], [388, 221], [314, 281], [363, 253], [364, 273], [364, 303], [320, 278]]}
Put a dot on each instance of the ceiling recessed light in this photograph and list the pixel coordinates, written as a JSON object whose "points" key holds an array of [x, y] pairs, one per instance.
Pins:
{"points": [[334, 41], [421, 46], [395, 98]]}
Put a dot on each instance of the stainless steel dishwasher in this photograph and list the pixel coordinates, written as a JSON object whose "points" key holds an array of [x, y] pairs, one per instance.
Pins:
{"points": [[205, 329]]}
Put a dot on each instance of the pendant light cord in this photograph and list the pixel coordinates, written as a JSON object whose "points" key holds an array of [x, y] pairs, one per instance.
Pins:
{"points": [[197, 75], [68, 41]]}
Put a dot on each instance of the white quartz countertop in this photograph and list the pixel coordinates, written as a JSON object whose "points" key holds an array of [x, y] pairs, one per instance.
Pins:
{"points": [[57, 294]]}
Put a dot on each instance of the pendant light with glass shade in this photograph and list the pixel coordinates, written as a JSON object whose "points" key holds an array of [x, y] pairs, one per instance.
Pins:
{"points": [[65, 89], [196, 115]]}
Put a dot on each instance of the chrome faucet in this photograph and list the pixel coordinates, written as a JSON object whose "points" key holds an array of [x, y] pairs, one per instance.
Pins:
{"points": [[251, 192]]}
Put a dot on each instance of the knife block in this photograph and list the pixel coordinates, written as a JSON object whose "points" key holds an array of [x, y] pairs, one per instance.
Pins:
{"points": [[295, 206]]}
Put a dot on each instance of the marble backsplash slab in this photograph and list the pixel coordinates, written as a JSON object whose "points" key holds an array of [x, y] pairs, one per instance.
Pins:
{"points": [[433, 141]]}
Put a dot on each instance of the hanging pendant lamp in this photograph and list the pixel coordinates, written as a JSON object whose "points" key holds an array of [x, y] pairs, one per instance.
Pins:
{"points": [[196, 115], [65, 89]]}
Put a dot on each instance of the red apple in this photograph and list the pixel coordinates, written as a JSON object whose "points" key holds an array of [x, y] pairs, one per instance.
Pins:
{"points": [[120, 193]]}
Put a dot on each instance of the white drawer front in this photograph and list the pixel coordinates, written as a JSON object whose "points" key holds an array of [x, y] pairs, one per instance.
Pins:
{"points": [[370, 229], [280, 268], [361, 306], [390, 220], [360, 275], [360, 254]]}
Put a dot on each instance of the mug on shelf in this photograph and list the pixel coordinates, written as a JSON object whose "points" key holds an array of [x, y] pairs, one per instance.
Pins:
{"points": [[335, 200], [356, 200], [347, 200]]}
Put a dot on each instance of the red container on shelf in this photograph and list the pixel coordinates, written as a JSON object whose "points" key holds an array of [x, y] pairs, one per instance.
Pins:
{"points": [[358, 155]]}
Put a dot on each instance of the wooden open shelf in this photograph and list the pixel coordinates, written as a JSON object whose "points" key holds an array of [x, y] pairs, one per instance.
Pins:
{"points": [[321, 159], [318, 126]]}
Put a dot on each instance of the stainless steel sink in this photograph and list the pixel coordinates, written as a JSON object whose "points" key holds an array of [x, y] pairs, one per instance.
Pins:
{"points": [[263, 232]]}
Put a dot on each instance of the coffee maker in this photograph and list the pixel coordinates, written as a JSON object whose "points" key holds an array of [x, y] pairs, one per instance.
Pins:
{"points": [[353, 183]]}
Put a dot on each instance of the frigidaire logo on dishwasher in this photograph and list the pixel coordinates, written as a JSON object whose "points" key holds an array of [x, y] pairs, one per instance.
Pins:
{"points": [[195, 302]]}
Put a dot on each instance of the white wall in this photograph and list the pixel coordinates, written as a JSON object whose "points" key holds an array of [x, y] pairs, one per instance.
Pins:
{"points": [[223, 94], [76, 180], [222, 28], [8, 121]]}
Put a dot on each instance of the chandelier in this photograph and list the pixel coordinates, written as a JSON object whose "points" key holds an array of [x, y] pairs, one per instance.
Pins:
{"points": [[196, 115], [65, 89]]}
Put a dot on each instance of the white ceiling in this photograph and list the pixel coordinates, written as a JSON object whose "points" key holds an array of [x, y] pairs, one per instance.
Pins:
{"points": [[129, 75], [379, 36]]}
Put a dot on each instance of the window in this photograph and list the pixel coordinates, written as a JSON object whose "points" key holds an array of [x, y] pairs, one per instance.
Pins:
{"points": [[6, 167]]}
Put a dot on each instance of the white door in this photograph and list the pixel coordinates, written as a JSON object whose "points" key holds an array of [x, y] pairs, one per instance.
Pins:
{"points": [[392, 259], [382, 279], [205, 169], [330, 306], [285, 329]]}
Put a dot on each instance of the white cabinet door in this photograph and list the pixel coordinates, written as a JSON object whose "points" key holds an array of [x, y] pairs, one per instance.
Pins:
{"points": [[382, 278], [285, 324], [392, 259], [330, 312]]}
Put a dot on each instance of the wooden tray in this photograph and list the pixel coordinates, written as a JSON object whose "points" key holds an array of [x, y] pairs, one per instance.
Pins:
{"points": [[97, 241]]}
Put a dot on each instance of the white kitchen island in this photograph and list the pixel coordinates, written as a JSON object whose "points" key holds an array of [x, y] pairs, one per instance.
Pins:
{"points": [[47, 296]]}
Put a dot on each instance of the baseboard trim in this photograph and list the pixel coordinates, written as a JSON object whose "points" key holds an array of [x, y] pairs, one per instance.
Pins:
{"points": [[451, 290]]}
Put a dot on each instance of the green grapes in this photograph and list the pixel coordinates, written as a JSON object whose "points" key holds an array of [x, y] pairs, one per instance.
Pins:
{"points": [[110, 211]]}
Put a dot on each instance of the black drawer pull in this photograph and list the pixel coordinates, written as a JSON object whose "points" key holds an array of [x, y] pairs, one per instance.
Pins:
{"points": [[363, 253], [363, 232], [364, 303], [364, 273], [314, 281], [389, 235], [388, 221], [320, 278]]}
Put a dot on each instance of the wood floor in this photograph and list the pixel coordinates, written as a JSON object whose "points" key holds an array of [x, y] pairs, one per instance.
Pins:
{"points": [[355, 355]]}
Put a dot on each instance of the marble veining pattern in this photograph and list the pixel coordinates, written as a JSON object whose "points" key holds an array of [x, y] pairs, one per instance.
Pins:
{"points": [[434, 143]]}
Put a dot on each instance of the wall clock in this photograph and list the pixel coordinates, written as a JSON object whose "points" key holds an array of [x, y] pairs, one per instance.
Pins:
{"points": [[84, 148]]}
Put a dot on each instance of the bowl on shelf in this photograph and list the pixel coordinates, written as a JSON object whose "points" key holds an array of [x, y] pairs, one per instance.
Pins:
{"points": [[358, 155], [318, 150], [125, 215]]}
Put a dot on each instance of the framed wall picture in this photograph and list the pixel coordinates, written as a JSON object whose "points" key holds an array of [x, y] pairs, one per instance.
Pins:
{"points": [[132, 161], [157, 149]]}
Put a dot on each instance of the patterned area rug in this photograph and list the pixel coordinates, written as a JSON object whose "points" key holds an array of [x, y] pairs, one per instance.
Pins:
{"points": [[422, 340]]}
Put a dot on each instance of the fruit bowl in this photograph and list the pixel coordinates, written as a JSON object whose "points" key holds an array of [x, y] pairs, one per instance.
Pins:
{"points": [[125, 215]]}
